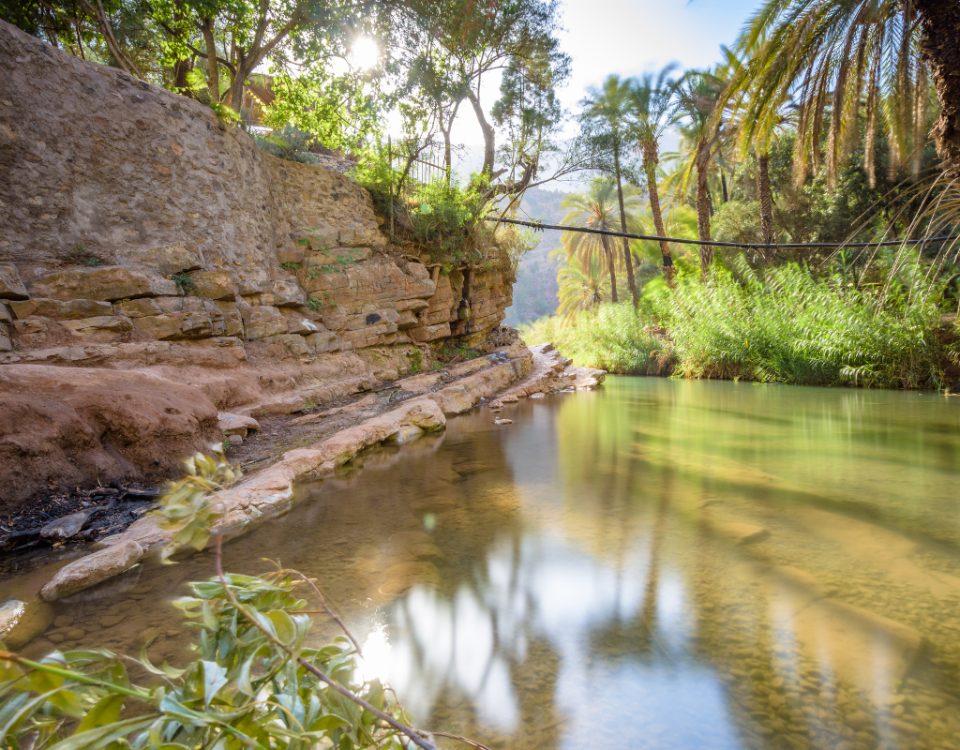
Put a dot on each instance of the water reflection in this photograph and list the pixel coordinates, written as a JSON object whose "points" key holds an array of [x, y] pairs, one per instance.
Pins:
{"points": [[661, 564]]}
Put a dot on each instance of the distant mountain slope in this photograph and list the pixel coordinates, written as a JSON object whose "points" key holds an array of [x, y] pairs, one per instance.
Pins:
{"points": [[535, 293]]}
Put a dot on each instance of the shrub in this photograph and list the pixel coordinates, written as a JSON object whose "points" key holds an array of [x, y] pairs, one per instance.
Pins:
{"points": [[612, 337]]}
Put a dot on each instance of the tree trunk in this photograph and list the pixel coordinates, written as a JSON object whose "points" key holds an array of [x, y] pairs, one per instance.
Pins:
{"points": [[940, 43], [213, 67], [113, 46], [180, 70], [703, 206], [608, 254], [631, 279], [650, 160], [766, 200], [489, 135]]}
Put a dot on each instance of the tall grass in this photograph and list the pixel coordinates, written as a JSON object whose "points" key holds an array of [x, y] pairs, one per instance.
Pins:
{"points": [[784, 326], [790, 327], [611, 337]]}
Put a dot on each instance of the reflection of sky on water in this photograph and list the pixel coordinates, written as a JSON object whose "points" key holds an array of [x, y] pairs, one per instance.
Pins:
{"points": [[470, 643], [611, 607], [584, 583]]}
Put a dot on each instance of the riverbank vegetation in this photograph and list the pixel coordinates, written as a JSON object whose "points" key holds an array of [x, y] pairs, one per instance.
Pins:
{"points": [[784, 324]]}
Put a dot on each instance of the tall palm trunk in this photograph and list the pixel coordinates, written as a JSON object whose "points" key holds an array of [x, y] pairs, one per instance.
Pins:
{"points": [[650, 160], [608, 255], [628, 260], [703, 205], [766, 199], [940, 43]]}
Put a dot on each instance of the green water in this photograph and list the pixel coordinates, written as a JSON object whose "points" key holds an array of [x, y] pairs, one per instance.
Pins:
{"points": [[659, 564]]}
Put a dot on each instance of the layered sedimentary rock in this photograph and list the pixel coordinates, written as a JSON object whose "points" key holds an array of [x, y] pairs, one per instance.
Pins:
{"points": [[177, 270]]}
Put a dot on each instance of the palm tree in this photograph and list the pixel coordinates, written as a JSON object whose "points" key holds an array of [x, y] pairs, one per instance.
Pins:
{"points": [[651, 100], [597, 209], [606, 120], [698, 97], [581, 287], [837, 58], [757, 136]]}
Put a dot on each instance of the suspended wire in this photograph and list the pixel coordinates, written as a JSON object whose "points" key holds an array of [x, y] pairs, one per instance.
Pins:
{"points": [[716, 243]]}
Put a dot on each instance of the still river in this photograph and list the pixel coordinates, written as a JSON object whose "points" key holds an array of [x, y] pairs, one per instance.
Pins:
{"points": [[658, 564]]}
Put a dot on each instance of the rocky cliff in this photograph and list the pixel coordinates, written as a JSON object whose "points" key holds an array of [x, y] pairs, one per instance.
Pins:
{"points": [[156, 268]]}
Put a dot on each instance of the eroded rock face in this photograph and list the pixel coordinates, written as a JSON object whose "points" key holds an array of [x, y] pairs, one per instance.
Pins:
{"points": [[139, 235], [63, 425]]}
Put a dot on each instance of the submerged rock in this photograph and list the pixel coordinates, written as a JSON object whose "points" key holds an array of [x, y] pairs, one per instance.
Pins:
{"points": [[92, 569]]}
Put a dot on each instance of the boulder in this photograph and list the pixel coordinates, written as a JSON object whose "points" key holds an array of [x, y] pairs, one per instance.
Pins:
{"points": [[230, 318], [287, 293], [6, 343], [92, 569], [213, 284], [236, 424], [260, 321], [66, 527], [108, 283], [11, 286]]}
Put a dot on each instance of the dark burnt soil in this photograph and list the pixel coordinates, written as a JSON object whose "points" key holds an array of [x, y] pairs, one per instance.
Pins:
{"points": [[110, 507]]}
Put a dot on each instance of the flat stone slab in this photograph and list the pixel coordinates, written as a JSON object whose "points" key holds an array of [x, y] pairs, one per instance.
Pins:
{"points": [[66, 527], [92, 569]]}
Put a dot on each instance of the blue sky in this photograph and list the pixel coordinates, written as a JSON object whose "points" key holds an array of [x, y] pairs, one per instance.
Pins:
{"points": [[632, 36]]}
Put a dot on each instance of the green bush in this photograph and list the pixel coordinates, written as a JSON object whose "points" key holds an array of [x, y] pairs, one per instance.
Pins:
{"points": [[611, 337], [784, 326], [443, 216]]}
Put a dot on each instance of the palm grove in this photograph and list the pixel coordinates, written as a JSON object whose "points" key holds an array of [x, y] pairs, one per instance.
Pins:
{"points": [[827, 122]]}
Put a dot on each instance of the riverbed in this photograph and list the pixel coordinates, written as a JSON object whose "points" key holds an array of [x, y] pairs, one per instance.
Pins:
{"points": [[658, 564]]}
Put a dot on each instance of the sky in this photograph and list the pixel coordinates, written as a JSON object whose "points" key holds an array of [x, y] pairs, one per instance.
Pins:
{"points": [[629, 37]]}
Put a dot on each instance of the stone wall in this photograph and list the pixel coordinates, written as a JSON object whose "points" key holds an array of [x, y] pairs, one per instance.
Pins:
{"points": [[132, 214], [137, 230]]}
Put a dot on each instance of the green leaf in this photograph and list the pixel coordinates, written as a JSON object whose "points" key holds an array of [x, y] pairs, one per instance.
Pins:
{"points": [[101, 737], [105, 711], [283, 626], [214, 678]]}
